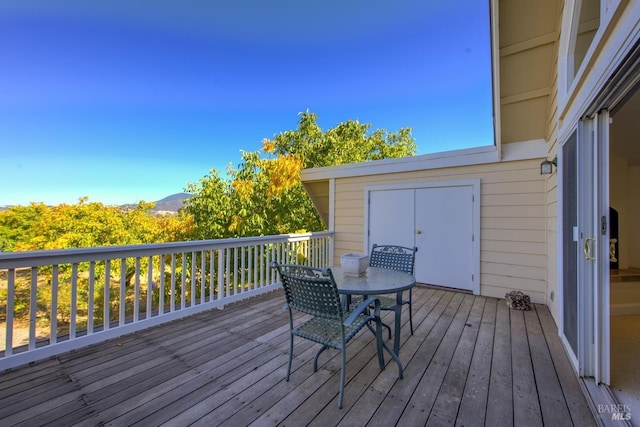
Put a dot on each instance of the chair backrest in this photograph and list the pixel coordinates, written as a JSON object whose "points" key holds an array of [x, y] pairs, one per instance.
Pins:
{"points": [[310, 290], [393, 257]]}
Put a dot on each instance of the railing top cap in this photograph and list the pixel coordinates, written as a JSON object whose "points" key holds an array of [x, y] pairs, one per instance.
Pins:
{"points": [[61, 256]]}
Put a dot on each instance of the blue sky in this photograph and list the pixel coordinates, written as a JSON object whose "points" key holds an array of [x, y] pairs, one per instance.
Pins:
{"points": [[125, 101]]}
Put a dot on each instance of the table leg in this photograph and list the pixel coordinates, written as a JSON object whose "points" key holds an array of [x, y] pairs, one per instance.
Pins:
{"points": [[346, 302], [396, 335]]}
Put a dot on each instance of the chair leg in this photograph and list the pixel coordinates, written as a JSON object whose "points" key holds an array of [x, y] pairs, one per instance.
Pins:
{"points": [[393, 355], [396, 358], [315, 359], [379, 342], [410, 317], [343, 363], [410, 311], [388, 329], [290, 355]]}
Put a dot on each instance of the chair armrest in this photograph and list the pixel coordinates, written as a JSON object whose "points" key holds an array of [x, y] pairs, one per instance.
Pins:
{"points": [[364, 305]]}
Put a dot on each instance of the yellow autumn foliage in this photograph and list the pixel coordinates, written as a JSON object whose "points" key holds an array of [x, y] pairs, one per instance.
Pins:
{"points": [[268, 146], [243, 188], [284, 173], [237, 223]]}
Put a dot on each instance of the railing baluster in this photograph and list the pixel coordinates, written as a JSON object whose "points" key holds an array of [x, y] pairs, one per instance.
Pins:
{"points": [[123, 291], [323, 252], [53, 327], [74, 300], [287, 251], [227, 270], [33, 307], [136, 292], [149, 287], [194, 263], [183, 282], [202, 277], [11, 295], [173, 282], [243, 283], [220, 273], [161, 287], [260, 266], [106, 292], [235, 269], [267, 264], [90, 296], [211, 275], [254, 254]]}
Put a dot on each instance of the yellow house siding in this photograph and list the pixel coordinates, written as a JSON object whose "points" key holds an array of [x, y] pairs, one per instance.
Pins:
{"points": [[512, 220], [349, 215], [512, 245]]}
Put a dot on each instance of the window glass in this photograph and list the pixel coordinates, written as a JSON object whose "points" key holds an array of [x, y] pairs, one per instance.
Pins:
{"points": [[585, 28]]}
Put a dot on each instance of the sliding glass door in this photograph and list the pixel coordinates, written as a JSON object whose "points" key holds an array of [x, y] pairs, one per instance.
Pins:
{"points": [[584, 223]]}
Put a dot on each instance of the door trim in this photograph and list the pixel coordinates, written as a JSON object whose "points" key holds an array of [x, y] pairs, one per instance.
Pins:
{"points": [[475, 186]]}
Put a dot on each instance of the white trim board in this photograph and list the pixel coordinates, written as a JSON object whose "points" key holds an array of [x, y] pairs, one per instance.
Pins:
{"points": [[470, 156], [523, 150]]}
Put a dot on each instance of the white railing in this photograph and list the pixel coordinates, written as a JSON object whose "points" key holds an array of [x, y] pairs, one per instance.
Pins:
{"points": [[55, 301]]}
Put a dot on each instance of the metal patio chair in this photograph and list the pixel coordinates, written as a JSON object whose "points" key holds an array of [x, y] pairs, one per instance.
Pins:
{"points": [[399, 258], [313, 291]]}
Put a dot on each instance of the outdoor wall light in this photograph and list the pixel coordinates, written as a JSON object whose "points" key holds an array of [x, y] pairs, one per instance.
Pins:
{"points": [[546, 167]]}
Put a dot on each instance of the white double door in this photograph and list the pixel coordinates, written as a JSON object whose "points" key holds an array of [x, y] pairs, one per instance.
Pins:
{"points": [[439, 219]]}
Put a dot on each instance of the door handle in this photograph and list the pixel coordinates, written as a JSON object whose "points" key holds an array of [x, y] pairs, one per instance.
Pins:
{"points": [[587, 249], [418, 231]]}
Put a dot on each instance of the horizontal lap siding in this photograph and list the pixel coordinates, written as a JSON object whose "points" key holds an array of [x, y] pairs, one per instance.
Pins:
{"points": [[512, 238], [512, 221], [349, 218]]}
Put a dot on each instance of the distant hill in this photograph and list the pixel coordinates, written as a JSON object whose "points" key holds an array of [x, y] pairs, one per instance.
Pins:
{"points": [[171, 203], [168, 205]]}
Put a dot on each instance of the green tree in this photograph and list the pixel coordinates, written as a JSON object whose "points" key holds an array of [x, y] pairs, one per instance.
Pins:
{"points": [[18, 224], [41, 227], [264, 194]]}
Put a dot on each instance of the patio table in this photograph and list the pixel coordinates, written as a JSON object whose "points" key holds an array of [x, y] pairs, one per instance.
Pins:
{"points": [[377, 281]]}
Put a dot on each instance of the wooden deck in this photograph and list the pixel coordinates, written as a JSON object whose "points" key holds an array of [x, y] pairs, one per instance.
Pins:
{"points": [[471, 362]]}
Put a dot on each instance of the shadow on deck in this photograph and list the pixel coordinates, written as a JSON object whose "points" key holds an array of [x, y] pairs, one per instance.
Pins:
{"points": [[471, 362]]}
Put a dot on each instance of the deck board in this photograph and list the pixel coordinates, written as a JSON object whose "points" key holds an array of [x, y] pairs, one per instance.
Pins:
{"points": [[427, 390], [474, 397], [577, 405], [445, 408], [552, 404], [471, 361], [525, 399], [390, 410], [500, 401]]}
